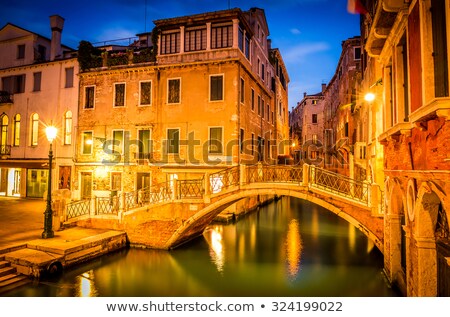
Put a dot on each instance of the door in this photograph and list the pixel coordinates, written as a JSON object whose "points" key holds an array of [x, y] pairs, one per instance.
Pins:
{"points": [[64, 177], [86, 185], [443, 254], [142, 180], [3, 181]]}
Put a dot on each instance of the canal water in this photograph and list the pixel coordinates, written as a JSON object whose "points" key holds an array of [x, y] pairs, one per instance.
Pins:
{"points": [[287, 248]]}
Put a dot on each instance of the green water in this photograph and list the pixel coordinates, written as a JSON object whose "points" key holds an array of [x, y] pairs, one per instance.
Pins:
{"points": [[287, 248]]}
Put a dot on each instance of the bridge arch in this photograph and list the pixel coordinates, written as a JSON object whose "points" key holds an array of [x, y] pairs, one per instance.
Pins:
{"points": [[203, 217]]}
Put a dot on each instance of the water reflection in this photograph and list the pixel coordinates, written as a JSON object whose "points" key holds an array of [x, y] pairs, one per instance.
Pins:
{"points": [[288, 248], [293, 248]]}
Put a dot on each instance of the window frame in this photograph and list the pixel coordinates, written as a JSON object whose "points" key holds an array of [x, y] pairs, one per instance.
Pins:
{"points": [[140, 93], [222, 89], [220, 150], [34, 129], [84, 144], [179, 90], [115, 85], [175, 146], [86, 96]]}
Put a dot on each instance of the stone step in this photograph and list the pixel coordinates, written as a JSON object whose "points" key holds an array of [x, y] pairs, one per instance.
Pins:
{"points": [[7, 270], [4, 264], [13, 281]]}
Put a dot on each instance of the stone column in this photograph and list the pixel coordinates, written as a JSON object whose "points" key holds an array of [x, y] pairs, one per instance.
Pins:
{"points": [[242, 175], [182, 39], [208, 36], [235, 33], [392, 246], [426, 267], [305, 181]]}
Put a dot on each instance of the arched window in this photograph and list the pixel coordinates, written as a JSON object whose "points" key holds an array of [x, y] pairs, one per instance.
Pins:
{"points": [[4, 130], [16, 131], [34, 129], [68, 127]]}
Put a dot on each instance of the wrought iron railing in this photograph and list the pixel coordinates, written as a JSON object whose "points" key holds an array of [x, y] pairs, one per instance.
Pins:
{"points": [[107, 205], [190, 188], [274, 173], [224, 179], [78, 208], [339, 184]]}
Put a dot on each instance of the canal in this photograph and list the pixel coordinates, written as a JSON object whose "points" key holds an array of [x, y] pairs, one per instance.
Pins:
{"points": [[289, 247]]}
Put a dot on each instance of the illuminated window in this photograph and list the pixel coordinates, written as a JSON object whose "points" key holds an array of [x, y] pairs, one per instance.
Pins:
{"points": [[145, 144], [118, 141], [215, 140], [116, 181], [89, 97], [16, 140], [87, 142], [145, 93], [34, 129], [68, 127], [174, 91], [119, 95], [173, 141], [4, 132], [216, 88]]}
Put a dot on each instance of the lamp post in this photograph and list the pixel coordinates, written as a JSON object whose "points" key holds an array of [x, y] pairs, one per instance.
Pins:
{"points": [[50, 131]]}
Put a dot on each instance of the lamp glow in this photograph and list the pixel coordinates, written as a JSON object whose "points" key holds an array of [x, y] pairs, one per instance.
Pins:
{"points": [[369, 97], [51, 132]]}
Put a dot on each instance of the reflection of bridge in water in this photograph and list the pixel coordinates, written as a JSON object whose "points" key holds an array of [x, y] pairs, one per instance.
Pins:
{"points": [[168, 214]]}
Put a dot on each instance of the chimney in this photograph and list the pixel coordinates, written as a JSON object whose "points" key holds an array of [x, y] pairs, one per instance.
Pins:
{"points": [[324, 86], [304, 95], [56, 24]]}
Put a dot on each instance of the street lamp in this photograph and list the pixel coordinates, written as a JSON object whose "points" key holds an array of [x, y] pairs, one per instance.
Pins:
{"points": [[50, 131]]}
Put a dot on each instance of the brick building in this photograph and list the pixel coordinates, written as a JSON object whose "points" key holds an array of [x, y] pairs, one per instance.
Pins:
{"points": [[406, 66], [212, 95]]}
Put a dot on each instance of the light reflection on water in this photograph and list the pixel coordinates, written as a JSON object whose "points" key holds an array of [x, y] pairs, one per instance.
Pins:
{"points": [[288, 248]]}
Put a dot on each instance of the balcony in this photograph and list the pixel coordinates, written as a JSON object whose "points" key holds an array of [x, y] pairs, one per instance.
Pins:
{"points": [[6, 98]]}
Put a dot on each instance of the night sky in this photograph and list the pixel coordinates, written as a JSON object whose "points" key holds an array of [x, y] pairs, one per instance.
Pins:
{"points": [[308, 33]]}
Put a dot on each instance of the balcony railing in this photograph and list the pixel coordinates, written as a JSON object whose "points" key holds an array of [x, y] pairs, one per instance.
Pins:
{"points": [[6, 97]]}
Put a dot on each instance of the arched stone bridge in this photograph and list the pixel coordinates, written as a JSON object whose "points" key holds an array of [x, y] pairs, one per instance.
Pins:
{"points": [[166, 215]]}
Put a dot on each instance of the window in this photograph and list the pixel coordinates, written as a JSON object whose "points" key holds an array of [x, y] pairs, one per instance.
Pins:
{"points": [[262, 108], [173, 87], [145, 144], [170, 43], [42, 53], [68, 127], [116, 181], [263, 71], [119, 95], [242, 90], [87, 142], [34, 129], [440, 54], [221, 36], [173, 141], [314, 102], [253, 100], [253, 143], [259, 67], [215, 140], [14, 84], [314, 118], [268, 112], [357, 52], [241, 141], [314, 138], [216, 88], [346, 129], [37, 81], [247, 46], [21, 51], [4, 121], [259, 105], [118, 141], [145, 93], [195, 40], [89, 97], [69, 77], [16, 140]]}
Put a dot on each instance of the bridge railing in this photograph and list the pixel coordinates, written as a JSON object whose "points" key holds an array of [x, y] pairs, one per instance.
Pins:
{"points": [[78, 208], [339, 184], [190, 189], [224, 179], [274, 173]]}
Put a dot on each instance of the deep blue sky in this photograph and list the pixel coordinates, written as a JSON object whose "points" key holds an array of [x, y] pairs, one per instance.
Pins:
{"points": [[308, 33]]}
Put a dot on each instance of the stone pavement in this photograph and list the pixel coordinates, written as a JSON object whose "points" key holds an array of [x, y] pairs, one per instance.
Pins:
{"points": [[21, 243]]}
